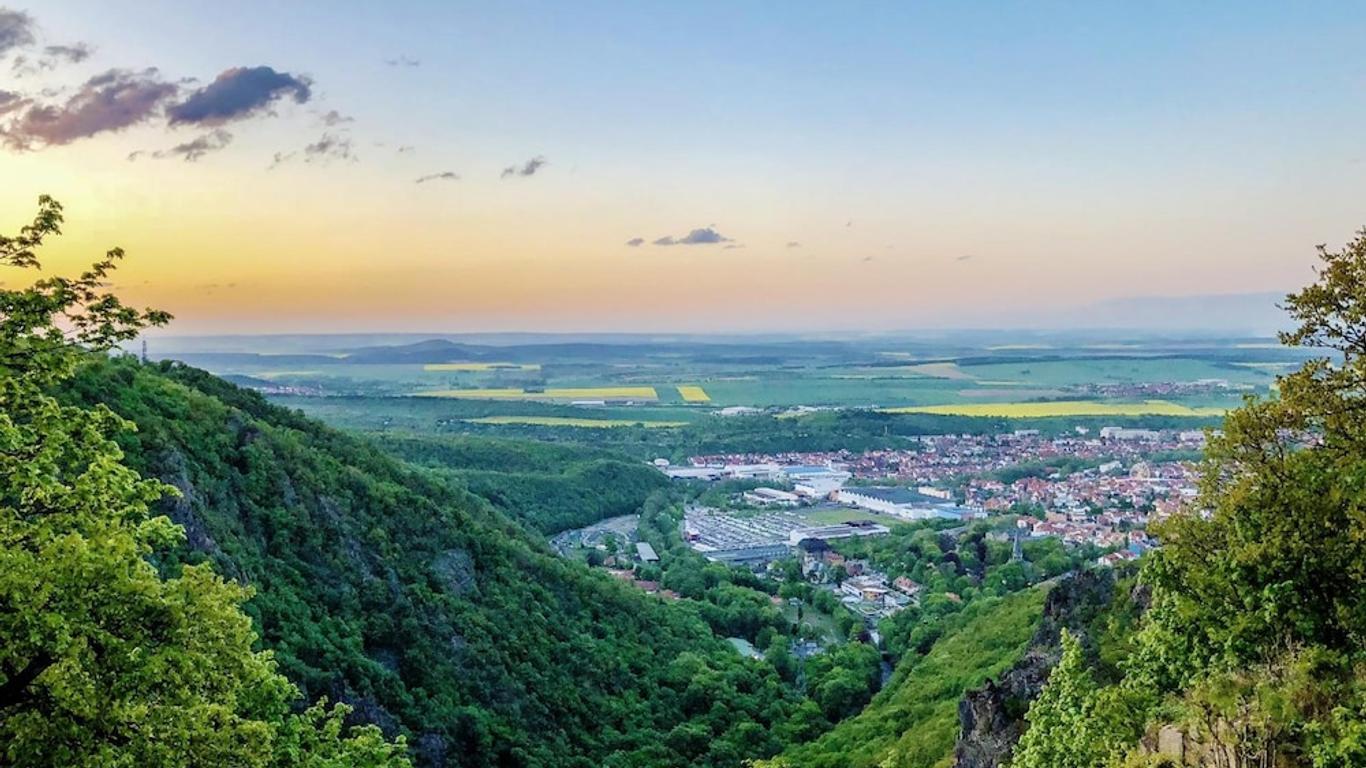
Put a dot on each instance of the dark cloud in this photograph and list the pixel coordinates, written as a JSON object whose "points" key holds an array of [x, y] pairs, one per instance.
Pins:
{"points": [[238, 93], [10, 101], [16, 30], [332, 118], [529, 168], [403, 61], [192, 150], [702, 236], [110, 101], [442, 176], [636, 242], [793, 244]]}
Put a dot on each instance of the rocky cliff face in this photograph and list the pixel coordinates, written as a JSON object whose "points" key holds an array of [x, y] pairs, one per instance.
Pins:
{"points": [[991, 718]]}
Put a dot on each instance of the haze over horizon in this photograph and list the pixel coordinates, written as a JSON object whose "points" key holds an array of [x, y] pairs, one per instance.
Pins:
{"points": [[705, 168]]}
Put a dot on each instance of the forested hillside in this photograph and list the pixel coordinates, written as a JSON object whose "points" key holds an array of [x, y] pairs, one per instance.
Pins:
{"points": [[412, 599], [552, 487]]}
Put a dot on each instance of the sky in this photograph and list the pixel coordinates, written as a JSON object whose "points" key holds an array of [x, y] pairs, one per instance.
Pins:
{"points": [[652, 166]]}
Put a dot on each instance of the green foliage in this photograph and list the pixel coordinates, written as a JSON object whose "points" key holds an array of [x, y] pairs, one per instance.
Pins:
{"points": [[550, 487], [913, 722], [104, 661], [398, 591], [1071, 723]]}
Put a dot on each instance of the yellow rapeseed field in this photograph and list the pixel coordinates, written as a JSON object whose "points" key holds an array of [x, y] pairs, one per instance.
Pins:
{"points": [[1060, 408], [692, 393]]}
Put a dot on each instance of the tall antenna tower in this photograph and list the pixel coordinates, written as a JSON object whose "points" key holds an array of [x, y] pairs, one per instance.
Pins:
{"points": [[144, 350]]}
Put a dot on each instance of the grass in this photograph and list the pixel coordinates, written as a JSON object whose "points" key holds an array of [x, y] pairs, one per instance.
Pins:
{"points": [[481, 367], [565, 421], [560, 393], [832, 516], [1060, 408], [692, 393]]}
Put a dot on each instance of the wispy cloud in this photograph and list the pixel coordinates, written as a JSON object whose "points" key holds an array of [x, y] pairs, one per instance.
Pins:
{"points": [[964, 257], [332, 118], [793, 244], [193, 150], [442, 176], [529, 168], [403, 61], [636, 242], [701, 236], [328, 148], [48, 59]]}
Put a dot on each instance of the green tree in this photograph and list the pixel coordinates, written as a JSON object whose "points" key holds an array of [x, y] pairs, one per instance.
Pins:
{"points": [[103, 659], [1067, 726]]}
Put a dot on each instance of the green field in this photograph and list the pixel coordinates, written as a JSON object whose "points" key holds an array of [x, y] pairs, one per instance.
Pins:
{"points": [[831, 516]]}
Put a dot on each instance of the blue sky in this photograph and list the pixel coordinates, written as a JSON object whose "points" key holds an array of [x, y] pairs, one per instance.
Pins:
{"points": [[987, 156]]}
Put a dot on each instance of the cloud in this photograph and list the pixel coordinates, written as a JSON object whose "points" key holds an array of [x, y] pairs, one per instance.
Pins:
{"points": [[51, 57], [71, 54], [793, 244], [702, 236], [442, 176], [636, 242], [238, 93], [406, 149], [529, 168], [10, 101], [110, 101], [16, 30], [328, 148], [403, 61], [964, 257], [332, 118], [196, 148]]}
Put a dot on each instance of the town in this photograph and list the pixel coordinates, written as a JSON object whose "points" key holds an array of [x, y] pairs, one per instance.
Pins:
{"points": [[1101, 489]]}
